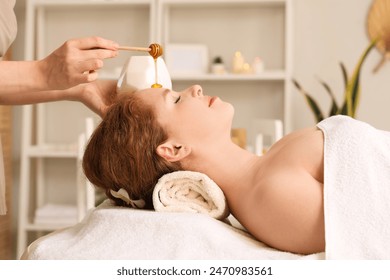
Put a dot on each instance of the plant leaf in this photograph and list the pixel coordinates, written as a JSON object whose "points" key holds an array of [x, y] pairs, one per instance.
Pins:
{"points": [[352, 92], [343, 109], [334, 107], [345, 74], [312, 103]]}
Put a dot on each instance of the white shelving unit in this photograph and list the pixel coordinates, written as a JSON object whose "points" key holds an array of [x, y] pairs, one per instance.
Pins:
{"points": [[50, 161], [254, 27]]}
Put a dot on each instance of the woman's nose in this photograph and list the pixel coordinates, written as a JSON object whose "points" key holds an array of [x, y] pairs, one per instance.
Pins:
{"points": [[196, 91]]}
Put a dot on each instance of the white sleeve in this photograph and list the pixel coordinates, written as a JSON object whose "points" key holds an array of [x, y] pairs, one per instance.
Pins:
{"points": [[8, 25]]}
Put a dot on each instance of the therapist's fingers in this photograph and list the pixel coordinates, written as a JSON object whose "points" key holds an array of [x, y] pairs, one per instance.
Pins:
{"points": [[98, 53], [93, 43], [88, 48], [67, 66], [91, 76], [86, 77], [89, 65]]}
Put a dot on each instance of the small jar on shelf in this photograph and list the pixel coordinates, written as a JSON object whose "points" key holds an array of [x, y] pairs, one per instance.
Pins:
{"points": [[218, 66]]}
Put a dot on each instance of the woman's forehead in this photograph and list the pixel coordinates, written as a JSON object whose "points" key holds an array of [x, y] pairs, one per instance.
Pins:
{"points": [[151, 91], [151, 95]]}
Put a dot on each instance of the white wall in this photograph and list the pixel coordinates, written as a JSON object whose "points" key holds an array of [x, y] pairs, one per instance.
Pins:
{"points": [[325, 33]]}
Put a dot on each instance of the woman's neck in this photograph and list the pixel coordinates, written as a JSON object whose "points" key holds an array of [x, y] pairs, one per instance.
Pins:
{"points": [[230, 166]]}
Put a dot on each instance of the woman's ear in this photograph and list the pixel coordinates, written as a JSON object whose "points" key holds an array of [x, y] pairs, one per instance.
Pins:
{"points": [[173, 152]]}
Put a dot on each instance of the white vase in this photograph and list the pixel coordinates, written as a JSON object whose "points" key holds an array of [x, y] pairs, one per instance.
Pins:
{"points": [[139, 72]]}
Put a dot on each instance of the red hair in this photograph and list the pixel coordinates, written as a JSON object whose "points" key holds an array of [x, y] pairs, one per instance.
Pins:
{"points": [[121, 152]]}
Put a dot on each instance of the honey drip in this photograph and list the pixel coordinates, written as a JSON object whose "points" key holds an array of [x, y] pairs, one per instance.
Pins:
{"points": [[155, 51]]}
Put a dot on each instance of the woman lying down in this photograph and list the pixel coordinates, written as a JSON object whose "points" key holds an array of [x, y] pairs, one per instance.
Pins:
{"points": [[277, 197]]}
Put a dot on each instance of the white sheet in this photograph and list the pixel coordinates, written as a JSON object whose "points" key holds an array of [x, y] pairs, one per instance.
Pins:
{"points": [[356, 189], [112, 232]]}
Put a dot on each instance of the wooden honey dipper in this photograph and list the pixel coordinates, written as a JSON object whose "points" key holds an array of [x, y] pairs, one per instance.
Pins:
{"points": [[155, 50]]}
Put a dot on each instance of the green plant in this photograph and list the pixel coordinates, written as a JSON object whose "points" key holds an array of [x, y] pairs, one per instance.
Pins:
{"points": [[351, 93], [217, 59]]}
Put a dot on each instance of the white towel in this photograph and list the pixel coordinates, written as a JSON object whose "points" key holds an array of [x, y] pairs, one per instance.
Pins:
{"points": [[188, 191], [119, 233], [356, 189]]}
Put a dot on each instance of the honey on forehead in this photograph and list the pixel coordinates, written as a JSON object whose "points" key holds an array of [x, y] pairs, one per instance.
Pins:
{"points": [[155, 51]]}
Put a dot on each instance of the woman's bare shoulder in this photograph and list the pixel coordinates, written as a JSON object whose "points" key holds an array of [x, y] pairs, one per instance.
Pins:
{"points": [[289, 211], [294, 136]]}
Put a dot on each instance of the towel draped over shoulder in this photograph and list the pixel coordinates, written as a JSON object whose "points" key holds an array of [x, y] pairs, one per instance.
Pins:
{"points": [[356, 189]]}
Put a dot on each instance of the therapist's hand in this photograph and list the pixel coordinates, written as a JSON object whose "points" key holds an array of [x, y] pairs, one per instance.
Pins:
{"points": [[76, 62], [98, 95]]}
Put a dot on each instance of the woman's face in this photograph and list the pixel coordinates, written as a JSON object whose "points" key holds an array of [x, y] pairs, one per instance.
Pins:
{"points": [[190, 116]]}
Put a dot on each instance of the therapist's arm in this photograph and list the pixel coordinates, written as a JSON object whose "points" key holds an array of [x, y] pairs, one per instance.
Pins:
{"points": [[97, 96], [75, 62]]}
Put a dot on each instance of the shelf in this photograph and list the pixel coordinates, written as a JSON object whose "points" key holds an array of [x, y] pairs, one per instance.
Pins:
{"points": [[45, 227], [224, 2], [272, 75], [54, 216], [90, 2], [266, 76], [53, 151]]}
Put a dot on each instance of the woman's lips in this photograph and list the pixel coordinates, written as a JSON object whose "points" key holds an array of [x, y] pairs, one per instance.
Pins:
{"points": [[212, 100]]}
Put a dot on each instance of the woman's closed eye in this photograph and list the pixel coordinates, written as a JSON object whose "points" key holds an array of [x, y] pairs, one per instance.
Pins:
{"points": [[177, 100]]}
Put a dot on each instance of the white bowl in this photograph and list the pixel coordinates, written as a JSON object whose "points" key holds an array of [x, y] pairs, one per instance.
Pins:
{"points": [[139, 72]]}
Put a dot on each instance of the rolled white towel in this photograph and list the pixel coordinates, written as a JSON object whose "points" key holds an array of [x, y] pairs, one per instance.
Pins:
{"points": [[189, 191]]}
